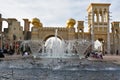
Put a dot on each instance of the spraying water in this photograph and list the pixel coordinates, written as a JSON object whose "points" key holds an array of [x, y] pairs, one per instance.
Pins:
{"points": [[56, 48]]}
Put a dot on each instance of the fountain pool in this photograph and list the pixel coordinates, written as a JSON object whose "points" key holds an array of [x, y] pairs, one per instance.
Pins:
{"points": [[55, 48]]}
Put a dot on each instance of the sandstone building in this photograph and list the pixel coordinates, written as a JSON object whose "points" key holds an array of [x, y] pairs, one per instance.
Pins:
{"points": [[98, 24]]}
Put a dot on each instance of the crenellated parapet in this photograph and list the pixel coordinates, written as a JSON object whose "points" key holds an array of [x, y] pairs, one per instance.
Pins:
{"points": [[52, 29]]}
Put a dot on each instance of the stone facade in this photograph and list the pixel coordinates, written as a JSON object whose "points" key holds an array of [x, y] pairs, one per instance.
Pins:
{"points": [[15, 31], [12, 34], [98, 24], [43, 33]]}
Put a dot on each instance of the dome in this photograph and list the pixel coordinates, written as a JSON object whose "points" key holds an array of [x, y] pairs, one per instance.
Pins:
{"points": [[71, 21], [35, 20]]}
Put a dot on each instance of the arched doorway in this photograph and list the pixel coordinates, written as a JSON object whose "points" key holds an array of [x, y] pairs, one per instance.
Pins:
{"points": [[5, 25], [99, 45], [50, 41], [53, 45]]}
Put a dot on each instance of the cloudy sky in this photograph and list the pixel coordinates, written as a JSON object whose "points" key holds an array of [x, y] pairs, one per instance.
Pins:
{"points": [[53, 12]]}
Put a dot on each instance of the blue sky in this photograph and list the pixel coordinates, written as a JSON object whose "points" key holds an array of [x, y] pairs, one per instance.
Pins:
{"points": [[53, 12]]}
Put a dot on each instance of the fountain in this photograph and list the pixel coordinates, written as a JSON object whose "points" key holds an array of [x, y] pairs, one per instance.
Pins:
{"points": [[55, 48]]}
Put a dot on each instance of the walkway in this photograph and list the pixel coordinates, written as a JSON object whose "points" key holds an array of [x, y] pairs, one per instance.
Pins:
{"points": [[108, 58], [111, 58]]}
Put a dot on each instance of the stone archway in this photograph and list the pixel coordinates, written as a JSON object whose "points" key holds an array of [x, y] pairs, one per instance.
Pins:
{"points": [[102, 44], [3, 36], [98, 45], [50, 39], [47, 37]]}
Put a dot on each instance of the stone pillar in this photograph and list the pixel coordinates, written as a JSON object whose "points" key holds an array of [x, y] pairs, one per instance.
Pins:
{"points": [[80, 27], [26, 24], [103, 20], [119, 38], [92, 30], [97, 16], [108, 34], [102, 16], [26, 29], [113, 32], [98, 21], [0, 22]]}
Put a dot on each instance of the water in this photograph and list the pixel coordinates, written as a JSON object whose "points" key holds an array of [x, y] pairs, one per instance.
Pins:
{"points": [[52, 67], [35, 69], [57, 49], [44, 74]]}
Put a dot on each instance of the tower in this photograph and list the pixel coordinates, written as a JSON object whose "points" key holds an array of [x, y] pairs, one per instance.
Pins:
{"points": [[116, 37], [26, 29], [80, 29], [98, 23]]}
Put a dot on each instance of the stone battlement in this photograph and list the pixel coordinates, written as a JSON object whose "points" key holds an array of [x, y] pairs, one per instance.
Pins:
{"points": [[53, 28]]}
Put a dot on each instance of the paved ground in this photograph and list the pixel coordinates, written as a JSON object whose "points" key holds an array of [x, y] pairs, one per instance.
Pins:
{"points": [[105, 58], [110, 58]]}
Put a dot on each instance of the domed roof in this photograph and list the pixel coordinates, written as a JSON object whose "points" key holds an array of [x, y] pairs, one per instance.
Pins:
{"points": [[35, 20], [71, 21]]}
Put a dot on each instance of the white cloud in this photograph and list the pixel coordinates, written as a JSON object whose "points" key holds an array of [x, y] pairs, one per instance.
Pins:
{"points": [[52, 12]]}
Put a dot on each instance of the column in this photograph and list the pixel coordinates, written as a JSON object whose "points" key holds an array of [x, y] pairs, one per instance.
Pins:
{"points": [[26, 28], [98, 19], [102, 15], [92, 30], [108, 34], [113, 40], [0, 23], [97, 16], [103, 20], [119, 38]]}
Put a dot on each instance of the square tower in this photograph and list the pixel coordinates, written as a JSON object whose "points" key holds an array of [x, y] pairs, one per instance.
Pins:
{"points": [[116, 37], [98, 23]]}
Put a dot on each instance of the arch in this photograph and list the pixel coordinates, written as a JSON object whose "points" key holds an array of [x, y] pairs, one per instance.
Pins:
{"points": [[51, 36], [100, 15], [5, 25], [96, 44], [116, 31], [95, 15], [99, 44]]}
